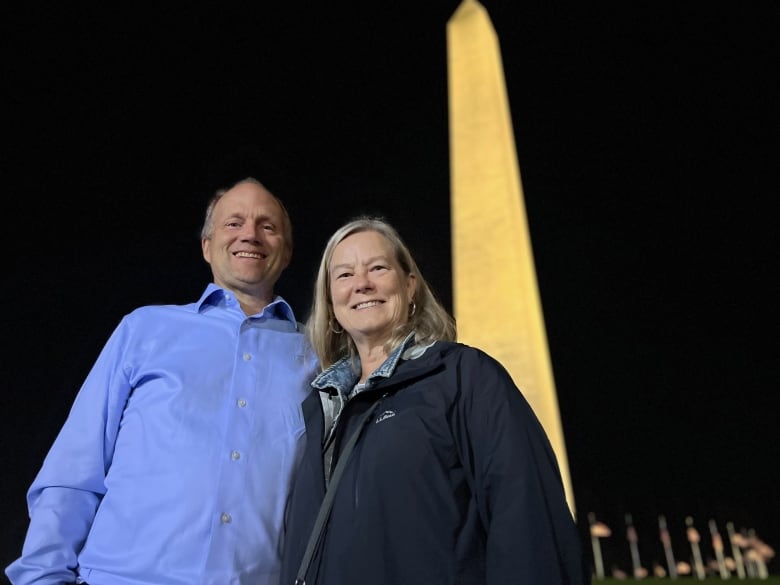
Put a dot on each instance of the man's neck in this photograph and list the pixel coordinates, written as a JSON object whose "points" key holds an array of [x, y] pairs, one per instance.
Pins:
{"points": [[252, 304]]}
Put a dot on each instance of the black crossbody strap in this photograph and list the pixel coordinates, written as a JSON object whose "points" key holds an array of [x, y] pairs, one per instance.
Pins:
{"points": [[322, 517]]}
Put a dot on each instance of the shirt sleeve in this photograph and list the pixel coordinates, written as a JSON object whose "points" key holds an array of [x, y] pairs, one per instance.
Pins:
{"points": [[531, 534], [64, 496]]}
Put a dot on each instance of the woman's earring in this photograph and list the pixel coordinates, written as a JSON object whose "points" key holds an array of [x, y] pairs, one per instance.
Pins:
{"points": [[333, 329], [413, 307]]}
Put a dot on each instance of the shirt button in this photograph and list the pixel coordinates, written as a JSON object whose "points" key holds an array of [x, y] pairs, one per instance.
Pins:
{"points": [[225, 518], [235, 455], [247, 357], [241, 403]]}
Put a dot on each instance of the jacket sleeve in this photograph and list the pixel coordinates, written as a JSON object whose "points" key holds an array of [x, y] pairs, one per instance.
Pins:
{"points": [[531, 534], [64, 496]]}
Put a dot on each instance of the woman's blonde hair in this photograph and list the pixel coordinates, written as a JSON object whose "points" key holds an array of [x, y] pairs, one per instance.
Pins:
{"points": [[428, 318]]}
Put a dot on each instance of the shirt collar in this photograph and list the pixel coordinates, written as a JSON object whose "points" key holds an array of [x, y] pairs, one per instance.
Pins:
{"points": [[216, 296], [342, 376]]}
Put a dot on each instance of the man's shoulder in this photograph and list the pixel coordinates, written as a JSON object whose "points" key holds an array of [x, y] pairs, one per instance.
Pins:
{"points": [[159, 312], [158, 309]]}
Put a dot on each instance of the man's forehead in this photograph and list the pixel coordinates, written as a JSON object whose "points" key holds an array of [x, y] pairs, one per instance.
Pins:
{"points": [[254, 201]]}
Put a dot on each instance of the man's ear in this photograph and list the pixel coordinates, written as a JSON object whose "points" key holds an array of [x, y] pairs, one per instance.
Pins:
{"points": [[205, 246]]}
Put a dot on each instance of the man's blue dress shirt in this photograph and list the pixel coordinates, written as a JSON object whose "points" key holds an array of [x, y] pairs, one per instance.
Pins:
{"points": [[175, 462]]}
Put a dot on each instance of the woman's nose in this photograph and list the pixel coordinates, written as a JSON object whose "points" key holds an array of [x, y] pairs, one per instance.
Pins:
{"points": [[362, 282]]}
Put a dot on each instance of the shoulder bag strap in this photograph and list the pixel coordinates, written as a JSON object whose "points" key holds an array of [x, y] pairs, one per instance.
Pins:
{"points": [[322, 517]]}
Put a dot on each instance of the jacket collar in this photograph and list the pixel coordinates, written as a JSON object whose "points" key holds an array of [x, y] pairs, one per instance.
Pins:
{"points": [[342, 376]]}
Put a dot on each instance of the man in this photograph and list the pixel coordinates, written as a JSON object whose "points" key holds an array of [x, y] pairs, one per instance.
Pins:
{"points": [[175, 462]]}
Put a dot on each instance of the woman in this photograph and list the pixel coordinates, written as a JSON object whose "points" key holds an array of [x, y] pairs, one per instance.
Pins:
{"points": [[452, 479]]}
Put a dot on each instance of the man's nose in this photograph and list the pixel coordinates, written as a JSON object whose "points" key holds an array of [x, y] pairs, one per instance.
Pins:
{"points": [[252, 233]]}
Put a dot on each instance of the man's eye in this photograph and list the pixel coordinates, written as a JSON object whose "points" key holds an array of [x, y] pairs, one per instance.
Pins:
{"points": [[233, 224], [269, 228]]}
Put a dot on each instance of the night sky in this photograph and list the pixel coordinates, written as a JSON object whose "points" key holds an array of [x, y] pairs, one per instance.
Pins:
{"points": [[647, 139]]}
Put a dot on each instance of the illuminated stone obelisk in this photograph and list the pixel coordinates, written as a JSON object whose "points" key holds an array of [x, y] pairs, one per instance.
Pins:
{"points": [[495, 295]]}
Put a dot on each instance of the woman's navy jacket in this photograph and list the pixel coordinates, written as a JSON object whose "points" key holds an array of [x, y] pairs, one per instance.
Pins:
{"points": [[452, 482]]}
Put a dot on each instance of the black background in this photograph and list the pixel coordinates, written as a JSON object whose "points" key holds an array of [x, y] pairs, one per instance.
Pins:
{"points": [[647, 142]]}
